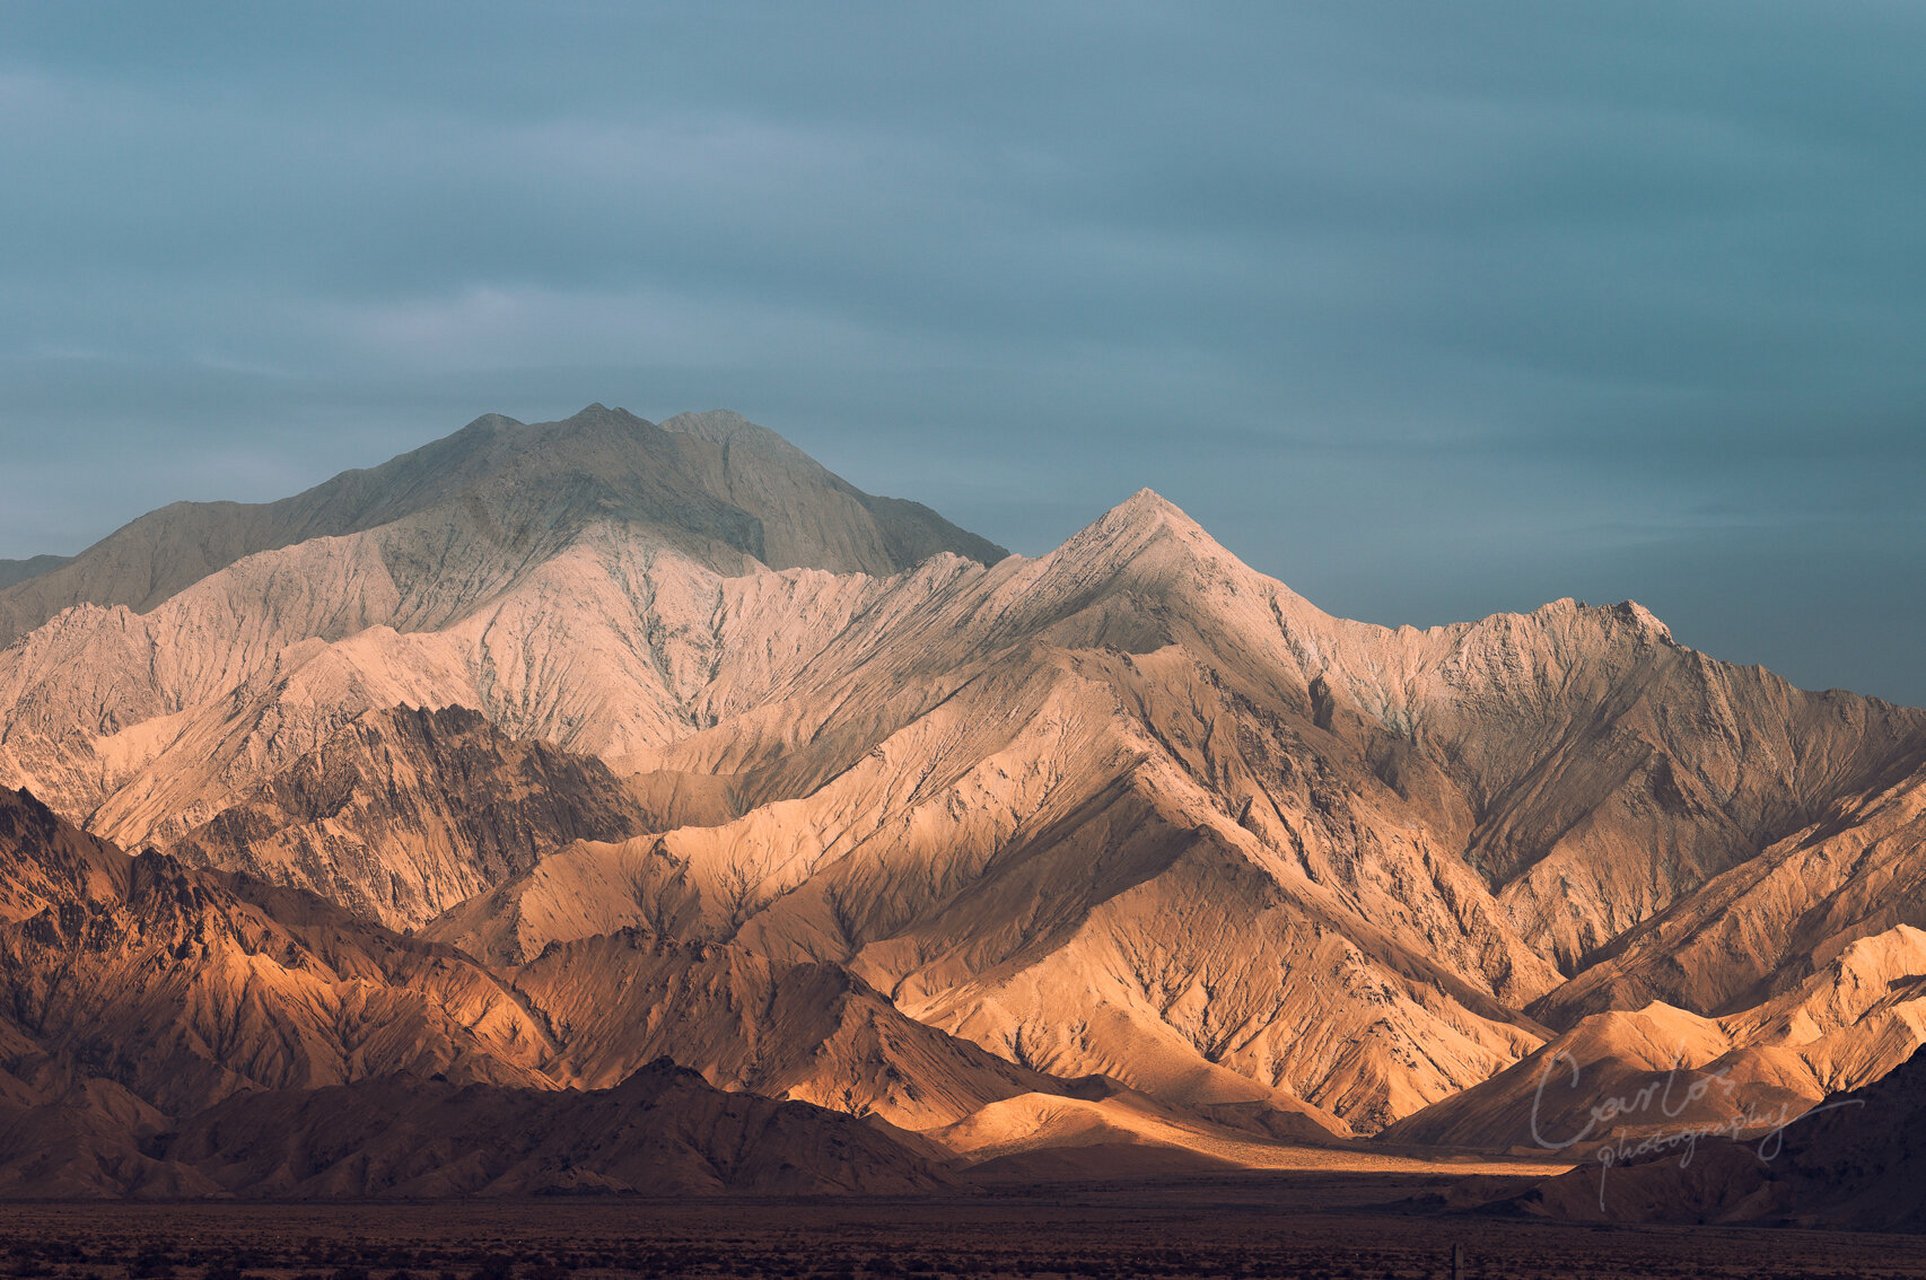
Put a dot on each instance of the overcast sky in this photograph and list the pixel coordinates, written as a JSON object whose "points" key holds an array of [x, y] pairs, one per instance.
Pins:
{"points": [[1429, 309]]}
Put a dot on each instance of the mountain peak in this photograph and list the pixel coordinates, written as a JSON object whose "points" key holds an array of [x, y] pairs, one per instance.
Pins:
{"points": [[1146, 530], [1643, 619], [548, 479], [591, 414], [1148, 512], [1148, 499]]}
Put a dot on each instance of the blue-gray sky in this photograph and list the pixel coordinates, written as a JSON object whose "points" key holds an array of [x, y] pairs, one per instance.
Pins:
{"points": [[1429, 309]]}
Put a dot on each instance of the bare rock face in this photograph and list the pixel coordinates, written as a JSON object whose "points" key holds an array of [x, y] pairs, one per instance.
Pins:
{"points": [[1856, 871], [831, 800], [1624, 1076], [174, 1032], [186, 986], [404, 813], [811, 1031], [1248, 844]]}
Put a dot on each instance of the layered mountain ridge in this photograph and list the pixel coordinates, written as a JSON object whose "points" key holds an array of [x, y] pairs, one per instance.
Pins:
{"points": [[712, 481], [690, 748]]}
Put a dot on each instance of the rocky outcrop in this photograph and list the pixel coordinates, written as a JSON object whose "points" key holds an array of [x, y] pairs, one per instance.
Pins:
{"points": [[1765, 926], [404, 813]]}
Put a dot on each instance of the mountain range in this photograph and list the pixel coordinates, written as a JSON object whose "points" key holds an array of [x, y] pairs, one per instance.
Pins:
{"points": [[551, 770]]}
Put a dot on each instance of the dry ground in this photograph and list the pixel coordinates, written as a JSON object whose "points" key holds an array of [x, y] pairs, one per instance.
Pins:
{"points": [[1231, 1227]]}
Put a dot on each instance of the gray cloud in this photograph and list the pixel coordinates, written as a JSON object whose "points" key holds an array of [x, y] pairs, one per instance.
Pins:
{"points": [[1430, 310]]}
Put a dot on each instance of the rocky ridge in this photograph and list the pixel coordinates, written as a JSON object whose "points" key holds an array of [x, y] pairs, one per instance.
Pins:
{"points": [[671, 720]]}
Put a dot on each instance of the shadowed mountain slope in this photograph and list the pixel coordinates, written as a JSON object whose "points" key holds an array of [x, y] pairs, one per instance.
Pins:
{"points": [[662, 1131], [811, 517], [1857, 870], [403, 813], [13, 572], [186, 986], [811, 1031], [175, 1032], [1856, 1162]]}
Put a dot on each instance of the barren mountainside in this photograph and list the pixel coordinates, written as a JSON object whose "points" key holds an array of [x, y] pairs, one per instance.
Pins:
{"points": [[403, 813], [565, 748], [170, 1031], [710, 480]]}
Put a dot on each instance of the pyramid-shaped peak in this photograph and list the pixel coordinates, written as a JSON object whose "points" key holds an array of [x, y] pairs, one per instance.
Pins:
{"points": [[1149, 501], [1144, 520], [599, 412], [1147, 510]]}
